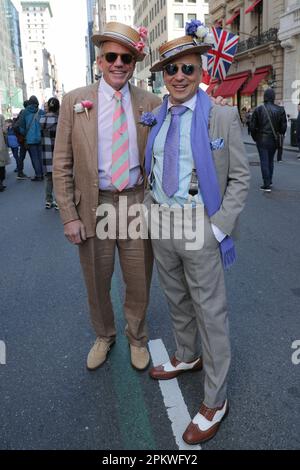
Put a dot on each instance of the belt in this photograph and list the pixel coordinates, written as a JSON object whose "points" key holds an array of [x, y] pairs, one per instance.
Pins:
{"points": [[128, 190]]}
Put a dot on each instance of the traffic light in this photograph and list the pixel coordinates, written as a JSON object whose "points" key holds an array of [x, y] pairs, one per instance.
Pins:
{"points": [[151, 80]]}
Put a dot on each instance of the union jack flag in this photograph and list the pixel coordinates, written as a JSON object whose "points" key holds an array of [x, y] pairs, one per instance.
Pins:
{"points": [[220, 57]]}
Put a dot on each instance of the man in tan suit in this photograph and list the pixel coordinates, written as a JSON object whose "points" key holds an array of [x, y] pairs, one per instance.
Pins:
{"points": [[99, 157]]}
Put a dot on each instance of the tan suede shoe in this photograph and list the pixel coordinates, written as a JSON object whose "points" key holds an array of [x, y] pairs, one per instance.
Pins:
{"points": [[139, 357], [98, 354]]}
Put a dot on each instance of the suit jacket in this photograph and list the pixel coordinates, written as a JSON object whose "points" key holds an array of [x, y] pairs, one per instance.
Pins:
{"points": [[75, 162], [231, 164]]}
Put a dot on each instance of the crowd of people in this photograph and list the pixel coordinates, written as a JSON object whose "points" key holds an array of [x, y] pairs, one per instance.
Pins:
{"points": [[32, 131]]}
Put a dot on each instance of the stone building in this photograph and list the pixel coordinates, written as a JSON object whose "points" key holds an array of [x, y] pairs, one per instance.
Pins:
{"points": [[259, 62], [289, 35]]}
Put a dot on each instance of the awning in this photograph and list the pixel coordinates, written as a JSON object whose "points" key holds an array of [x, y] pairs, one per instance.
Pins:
{"points": [[233, 17], [258, 76], [251, 8], [212, 86], [232, 84]]}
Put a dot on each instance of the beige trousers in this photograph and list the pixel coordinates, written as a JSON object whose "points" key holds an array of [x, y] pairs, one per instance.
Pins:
{"points": [[97, 259]]}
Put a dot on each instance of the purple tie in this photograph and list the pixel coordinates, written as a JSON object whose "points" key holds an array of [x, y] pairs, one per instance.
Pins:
{"points": [[170, 179]]}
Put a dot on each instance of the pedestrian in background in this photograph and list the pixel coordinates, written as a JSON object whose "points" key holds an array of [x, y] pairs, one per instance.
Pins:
{"points": [[248, 120], [4, 155], [243, 115], [14, 145], [48, 124], [21, 140], [31, 130], [268, 123]]}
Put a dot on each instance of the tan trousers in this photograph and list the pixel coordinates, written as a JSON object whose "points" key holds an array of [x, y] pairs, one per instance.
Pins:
{"points": [[97, 258]]}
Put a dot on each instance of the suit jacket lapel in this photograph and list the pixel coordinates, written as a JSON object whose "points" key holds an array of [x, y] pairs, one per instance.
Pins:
{"points": [[90, 126], [137, 103]]}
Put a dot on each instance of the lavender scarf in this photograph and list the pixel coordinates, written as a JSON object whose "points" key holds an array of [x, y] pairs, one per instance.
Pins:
{"points": [[204, 164]]}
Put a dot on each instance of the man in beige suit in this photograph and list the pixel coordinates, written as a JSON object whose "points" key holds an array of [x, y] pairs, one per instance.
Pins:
{"points": [[198, 171], [99, 157]]}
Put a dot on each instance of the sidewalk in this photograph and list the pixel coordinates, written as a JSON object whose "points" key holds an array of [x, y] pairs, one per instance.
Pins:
{"points": [[249, 141]]}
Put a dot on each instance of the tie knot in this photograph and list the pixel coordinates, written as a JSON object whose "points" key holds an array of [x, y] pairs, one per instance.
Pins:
{"points": [[118, 95], [178, 110]]}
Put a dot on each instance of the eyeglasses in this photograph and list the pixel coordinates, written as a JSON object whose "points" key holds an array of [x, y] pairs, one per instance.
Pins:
{"points": [[111, 57], [186, 69]]}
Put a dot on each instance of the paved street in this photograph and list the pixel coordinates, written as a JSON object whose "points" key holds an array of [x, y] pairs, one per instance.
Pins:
{"points": [[48, 398]]}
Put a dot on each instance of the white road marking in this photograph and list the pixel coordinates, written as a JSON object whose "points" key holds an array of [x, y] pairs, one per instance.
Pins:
{"points": [[176, 408]]}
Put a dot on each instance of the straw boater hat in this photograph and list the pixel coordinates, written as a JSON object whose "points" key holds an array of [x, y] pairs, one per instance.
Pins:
{"points": [[124, 35], [197, 41]]}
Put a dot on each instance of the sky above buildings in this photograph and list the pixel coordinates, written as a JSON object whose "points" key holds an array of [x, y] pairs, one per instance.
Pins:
{"points": [[68, 40]]}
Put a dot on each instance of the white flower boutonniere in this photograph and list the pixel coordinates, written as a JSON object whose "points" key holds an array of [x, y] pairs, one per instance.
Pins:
{"points": [[83, 106]]}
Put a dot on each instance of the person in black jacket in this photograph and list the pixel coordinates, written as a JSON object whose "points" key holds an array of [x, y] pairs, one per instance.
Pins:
{"points": [[298, 130], [267, 122]]}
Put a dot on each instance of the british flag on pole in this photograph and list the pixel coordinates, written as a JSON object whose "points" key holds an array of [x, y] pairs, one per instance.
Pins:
{"points": [[220, 57]]}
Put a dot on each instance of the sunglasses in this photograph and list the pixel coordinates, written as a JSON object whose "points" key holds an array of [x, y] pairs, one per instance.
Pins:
{"points": [[111, 57], [187, 69]]}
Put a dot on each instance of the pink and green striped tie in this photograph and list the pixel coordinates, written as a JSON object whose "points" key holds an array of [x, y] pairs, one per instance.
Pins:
{"points": [[120, 146]]}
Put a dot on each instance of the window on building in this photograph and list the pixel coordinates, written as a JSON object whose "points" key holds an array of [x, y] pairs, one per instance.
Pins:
{"points": [[178, 1], [165, 23], [235, 25], [178, 20], [113, 18], [192, 16], [192, 1], [113, 7]]}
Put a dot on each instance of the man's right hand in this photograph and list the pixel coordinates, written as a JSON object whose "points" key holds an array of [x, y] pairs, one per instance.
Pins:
{"points": [[75, 232]]}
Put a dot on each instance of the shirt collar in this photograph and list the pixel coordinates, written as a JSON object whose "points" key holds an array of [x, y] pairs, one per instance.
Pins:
{"points": [[191, 103], [109, 92]]}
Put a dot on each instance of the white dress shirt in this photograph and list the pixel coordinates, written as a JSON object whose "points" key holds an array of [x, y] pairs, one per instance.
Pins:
{"points": [[106, 109]]}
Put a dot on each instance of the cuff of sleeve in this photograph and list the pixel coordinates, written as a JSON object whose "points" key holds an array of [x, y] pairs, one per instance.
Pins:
{"points": [[218, 233]]}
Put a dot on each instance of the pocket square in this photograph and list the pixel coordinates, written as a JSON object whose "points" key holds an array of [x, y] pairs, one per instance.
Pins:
{"points": [[217, 144]]}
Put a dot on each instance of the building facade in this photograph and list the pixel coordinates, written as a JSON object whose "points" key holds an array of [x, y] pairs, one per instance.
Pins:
{"points": [[289, 35], [259, 62], [12, 86], [165, 20], [39, 66], [90, 50], [114, 10]]}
